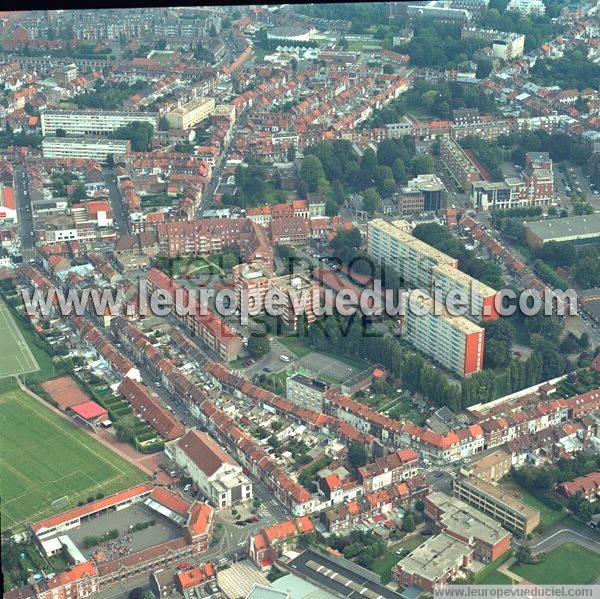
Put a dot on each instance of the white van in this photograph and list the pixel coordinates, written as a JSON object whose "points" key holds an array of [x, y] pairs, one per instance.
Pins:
{"points": [[284, 358]]}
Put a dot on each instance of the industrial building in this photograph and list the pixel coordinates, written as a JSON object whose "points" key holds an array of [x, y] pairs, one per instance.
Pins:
{"points": [[581, 230]]}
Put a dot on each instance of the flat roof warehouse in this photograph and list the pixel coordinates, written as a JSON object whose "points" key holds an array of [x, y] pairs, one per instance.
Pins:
{"points": [[575, 228]]}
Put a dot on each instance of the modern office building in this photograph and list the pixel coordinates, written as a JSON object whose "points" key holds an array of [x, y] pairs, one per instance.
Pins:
{"points": [[452, 341], [487, 195], [423, 193], [94, 148], [191, 113], [91, 122], [502, 507]]}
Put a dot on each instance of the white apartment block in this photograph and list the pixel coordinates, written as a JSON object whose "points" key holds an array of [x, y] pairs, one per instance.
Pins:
{"points": [[392, 245], [508, 47], [453, 341], [94, 148], [91, 122], [305, 392], [480, 297], [191, 113], [527, 7], [215, 473]]}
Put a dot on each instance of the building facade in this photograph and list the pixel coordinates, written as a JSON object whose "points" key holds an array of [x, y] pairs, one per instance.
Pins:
{"points": [[91, 122], [502, 507], [216, 474]]}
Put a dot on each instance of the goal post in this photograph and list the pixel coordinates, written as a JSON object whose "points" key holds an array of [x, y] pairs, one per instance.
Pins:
{"points": [[61, 501]]}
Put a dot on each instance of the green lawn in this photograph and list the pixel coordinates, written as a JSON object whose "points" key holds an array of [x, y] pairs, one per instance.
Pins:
{"points": [[548, 516], [295, 345], [568, 564], [15, 355], [383, 565], [45, 457], [489, 574], [495, 577], [192, 266]]}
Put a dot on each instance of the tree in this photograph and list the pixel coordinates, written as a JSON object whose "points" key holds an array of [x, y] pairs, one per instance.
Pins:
{"points": [[357, 455], [581, 208], [408, 522], [291, 153], [345, 243], [312, 172], [552, 362], [524, 554], [586, 272], [369, 160], [10, 551], [498, 340], [163, 124], [399, 171], [258, 345], [387, 152], [110, 160], [302, 190], [371, 200], [388, 188], [422, 165], [79, 193], [484, 68], [61, 133], [125, 428], [331, 208], [138, 133]]}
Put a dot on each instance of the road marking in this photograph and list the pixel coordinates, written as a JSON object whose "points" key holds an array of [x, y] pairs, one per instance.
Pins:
{"points": [[573, 532]]}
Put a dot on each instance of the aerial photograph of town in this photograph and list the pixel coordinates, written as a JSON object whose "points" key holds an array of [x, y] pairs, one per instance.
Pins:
{"points": [[300, 301]]}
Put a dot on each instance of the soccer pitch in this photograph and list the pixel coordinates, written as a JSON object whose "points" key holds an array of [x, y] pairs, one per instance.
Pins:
{"points": [[15, 355], [45, 457]]}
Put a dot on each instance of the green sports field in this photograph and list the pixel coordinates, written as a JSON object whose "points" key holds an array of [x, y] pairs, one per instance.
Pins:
{"points": [[568, 563], [44, 457], [15, 355]]}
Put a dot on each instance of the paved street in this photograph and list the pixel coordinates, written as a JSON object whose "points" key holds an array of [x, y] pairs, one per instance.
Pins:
{"points": [[120, 214], [572, 532], [24, 212]]}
